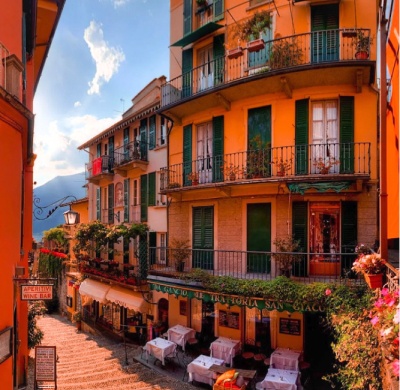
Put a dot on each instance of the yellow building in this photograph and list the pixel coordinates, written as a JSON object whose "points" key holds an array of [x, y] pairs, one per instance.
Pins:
{"points": [[273, 109]]}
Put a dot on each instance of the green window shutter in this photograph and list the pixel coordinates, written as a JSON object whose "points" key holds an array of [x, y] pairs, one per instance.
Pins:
{"points": [[127, 196], [152, 239], [111, 203], [325, 42], [143, 139], [153, 247], [126, 142], [143, 198], [187, 153], [126, 250], [349, 233], [203, 237], [346, 134], [300, 232], [152, 132], [301, 136], [98, 204], [187, 17], [152, 189], [218, 148], [219, 58], [98, 150], [187, 69], [218, 9]]}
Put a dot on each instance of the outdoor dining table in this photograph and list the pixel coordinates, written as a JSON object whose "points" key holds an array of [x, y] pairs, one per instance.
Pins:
{"points": [[285, 359], [280, 380], [160, 349], [225, 348], [180, 334], [199, 369]]}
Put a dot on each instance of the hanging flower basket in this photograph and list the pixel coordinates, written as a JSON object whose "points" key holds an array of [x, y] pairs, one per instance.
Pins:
{"points": [[374, 281], [255, 45]]}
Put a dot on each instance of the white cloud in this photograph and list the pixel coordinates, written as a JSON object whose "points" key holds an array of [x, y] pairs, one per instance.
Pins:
{"points": [[77, 104], [107, 58], [120, 3]]}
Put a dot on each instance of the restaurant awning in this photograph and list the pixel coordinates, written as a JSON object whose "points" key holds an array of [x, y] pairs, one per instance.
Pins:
{"points": [[126, 298], [95, 290]]}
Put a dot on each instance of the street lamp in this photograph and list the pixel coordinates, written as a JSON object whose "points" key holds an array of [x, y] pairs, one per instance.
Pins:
{"points": [[71, 217]]}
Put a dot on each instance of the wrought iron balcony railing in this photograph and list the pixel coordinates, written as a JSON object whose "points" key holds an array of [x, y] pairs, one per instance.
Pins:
{"points": [[313, 48], [132, 151], [257, 265], [98, 166], [271, 163]]}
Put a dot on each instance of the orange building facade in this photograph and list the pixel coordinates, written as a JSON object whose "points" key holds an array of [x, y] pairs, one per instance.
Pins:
{"points": [[22, 25]]}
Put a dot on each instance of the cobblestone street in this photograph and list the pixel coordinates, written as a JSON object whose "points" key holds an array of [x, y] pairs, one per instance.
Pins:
{"points": [[89, 362]]}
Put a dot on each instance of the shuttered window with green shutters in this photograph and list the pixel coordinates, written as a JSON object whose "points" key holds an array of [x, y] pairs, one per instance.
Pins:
{"points": [[98, 150], [346, 134], [301, 136], [203, 237], [143, 139], [111, 203], [219, 9], [349, 233], [219, 59], [187, 17], [153, 247], [98, 203], [152, 189], [325, 34], [127, 196], [126, 142], [187, 67], [152, 132], [187, 153], [300, 232], [143, 198], [218, 148]]}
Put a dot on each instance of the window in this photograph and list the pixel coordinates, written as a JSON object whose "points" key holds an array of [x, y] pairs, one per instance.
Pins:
{"points": [[152, 132], [204, 152], [203, 237], [127, 196], [163, 132], [110, 203], [98, 203], [205, 75]]}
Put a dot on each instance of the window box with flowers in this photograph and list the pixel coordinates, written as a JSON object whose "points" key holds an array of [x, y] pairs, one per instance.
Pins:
{"points": [[230, 171], [282, 166], [371, 266], [194, 178], [324, 165]]}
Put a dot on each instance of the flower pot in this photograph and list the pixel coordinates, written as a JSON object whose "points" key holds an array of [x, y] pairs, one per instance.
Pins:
{"points": [[362, 55], [235, 53], [255, 45], [374, 280], [280, 173], [232, 177]]}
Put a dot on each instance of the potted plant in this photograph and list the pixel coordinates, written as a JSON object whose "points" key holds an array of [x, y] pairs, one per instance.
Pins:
{"points": [[193, 177], [230, 171], [285, 53], [258, 158], [77, 318], [282, 166], [371, 265], [252, 29], [362, 43], [285, 260], [323, 165], [179, 251]]}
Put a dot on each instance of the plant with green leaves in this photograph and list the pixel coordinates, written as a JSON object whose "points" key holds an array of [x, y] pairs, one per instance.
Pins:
{"points": [[254, 27], [35, 334], [285, 256]]}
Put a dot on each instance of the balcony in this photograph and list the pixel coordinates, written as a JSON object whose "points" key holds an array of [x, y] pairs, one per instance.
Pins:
{"points": [[329, 54], [308, 268], [328, 162], [100, 168], [131, 156], [11, 73]]}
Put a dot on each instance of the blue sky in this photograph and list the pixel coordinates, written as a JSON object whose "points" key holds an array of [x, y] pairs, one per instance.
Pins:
{"points": [[103, 53]]}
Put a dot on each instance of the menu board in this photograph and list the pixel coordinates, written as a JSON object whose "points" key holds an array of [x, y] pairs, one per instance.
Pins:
{"points": [[289, 326], [229, 319], [45, 363]]}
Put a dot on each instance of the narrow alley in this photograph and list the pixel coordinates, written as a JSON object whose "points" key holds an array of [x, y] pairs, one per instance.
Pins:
{"points": [[89, 362]]}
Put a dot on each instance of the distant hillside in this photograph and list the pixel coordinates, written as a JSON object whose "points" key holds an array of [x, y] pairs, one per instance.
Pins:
{"points": [[49, 193]]}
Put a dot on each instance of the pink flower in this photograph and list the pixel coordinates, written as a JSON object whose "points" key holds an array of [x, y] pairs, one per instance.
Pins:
{"points": [[395, 367], [384, 291], [374, 320], [328, 292]]}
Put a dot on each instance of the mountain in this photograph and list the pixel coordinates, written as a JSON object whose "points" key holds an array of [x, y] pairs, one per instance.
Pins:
{"points": [[50, 194]]}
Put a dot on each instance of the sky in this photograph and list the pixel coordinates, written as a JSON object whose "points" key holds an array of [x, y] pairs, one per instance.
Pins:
{"points": [[103, 53]]}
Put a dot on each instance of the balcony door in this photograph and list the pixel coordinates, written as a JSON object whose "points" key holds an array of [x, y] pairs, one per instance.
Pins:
{"points": [[325, 136], [205, 70], [205, 152]]}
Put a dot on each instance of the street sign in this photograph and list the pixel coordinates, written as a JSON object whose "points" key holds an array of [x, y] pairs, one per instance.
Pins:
{"points": [[36, 292], [45, 367]]}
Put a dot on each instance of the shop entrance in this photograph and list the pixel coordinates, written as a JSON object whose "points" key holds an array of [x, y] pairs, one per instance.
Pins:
{"points": [[207, 322], [324, 238], [163, 312]]}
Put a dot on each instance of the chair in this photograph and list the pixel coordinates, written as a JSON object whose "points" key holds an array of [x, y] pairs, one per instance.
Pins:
{"points": [[192, 344], [259, 360], [248, 352]]}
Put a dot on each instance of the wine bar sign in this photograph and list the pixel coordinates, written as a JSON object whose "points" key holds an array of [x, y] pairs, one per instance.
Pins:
{"points": [[36, 292]]}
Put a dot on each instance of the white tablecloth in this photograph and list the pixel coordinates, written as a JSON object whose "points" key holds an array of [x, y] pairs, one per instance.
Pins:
{"points": [[199, 369], [280, 379], [180, 334], [226, 349], [160, 349], [285, 359]]}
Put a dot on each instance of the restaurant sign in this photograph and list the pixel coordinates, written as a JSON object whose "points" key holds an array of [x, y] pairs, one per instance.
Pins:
{"points": [[36, 292], [234, 300]]}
